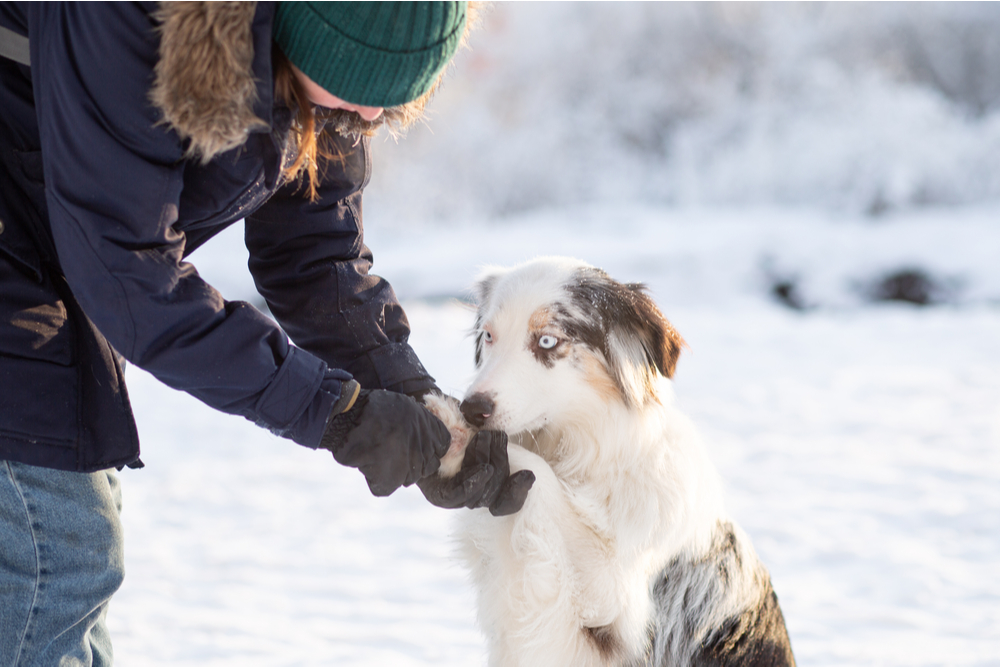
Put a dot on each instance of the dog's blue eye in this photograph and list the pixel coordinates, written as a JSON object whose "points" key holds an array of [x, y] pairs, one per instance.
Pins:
{"points": [[487, 336], [548, 342]]}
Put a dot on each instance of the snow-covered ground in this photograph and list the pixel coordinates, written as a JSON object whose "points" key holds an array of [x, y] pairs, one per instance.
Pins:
{"points": [[723, 154], [859, 444]]}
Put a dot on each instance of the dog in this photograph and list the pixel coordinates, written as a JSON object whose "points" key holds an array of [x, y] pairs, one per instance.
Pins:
{"points": [[622, 553]]}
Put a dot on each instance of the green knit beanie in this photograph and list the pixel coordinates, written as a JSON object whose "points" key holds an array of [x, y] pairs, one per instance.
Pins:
{"points": [[376, 54]]}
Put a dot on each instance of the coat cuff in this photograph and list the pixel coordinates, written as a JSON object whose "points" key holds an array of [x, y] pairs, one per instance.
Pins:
{"points": [[393, 366], [298, 402]]}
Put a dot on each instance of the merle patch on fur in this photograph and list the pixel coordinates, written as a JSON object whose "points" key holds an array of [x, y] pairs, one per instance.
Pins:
{"points": [[479, 341], [483, 290], [547, 357], [605, 640], [753, 637], [625, 309]]}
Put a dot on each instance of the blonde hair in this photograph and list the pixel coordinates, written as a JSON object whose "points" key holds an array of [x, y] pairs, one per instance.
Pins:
{"points": [[309, 147], [313, 143]]}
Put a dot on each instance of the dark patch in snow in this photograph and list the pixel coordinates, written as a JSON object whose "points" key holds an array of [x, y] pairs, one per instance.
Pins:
{"points": [[782, 286], [786, 292], [911, 285]]}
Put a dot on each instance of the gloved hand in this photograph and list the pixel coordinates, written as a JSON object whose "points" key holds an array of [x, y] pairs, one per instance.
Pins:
{"points": [[484, 479], [389, 437]]}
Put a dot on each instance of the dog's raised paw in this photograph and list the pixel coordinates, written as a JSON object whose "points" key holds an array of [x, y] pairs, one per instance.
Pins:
{"points": [[447, 410]]}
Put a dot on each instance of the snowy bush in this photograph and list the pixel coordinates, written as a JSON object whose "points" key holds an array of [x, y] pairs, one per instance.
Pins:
{"points": [[854, 107]]}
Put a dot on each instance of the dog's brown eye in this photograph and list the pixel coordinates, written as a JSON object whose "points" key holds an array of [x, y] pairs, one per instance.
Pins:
{"points": [[548, 342]]}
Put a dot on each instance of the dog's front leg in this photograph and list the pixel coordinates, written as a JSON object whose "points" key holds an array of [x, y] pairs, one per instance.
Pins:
{"points": [[526, 580]]}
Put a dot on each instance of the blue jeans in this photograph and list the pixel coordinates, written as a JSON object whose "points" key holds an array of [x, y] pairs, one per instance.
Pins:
{"points": [[61, 559]]}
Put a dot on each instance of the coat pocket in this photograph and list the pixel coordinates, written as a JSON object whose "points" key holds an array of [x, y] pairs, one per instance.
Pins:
{"points": [[39, 403]]}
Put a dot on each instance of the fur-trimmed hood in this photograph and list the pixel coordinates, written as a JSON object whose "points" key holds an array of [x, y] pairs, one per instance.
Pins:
{"points": [[205, 84]]}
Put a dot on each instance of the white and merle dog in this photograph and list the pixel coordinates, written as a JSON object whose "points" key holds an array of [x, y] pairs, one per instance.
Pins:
{"points": [[622, 553]]}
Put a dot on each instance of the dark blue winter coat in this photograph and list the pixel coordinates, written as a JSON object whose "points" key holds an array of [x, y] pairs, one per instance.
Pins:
{"points": [[99, 205]]}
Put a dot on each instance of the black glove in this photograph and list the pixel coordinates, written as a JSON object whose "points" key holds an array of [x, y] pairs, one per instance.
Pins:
{"points": [[390, 437], [484, 479]]}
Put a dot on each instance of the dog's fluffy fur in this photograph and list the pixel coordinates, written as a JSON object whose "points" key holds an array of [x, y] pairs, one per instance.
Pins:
{"points": [[622, 553]]}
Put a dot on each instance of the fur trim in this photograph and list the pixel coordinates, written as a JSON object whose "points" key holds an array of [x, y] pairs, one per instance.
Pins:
{"points": [[204, 78]]}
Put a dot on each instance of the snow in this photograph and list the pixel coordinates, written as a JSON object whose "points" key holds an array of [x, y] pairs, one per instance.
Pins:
{"points": [[859, 442]]}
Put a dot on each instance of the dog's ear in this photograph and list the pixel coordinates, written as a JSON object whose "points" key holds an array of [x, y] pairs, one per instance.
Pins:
{"points": [[636, 339], [484, 286], [660, 341], [483, 289]]}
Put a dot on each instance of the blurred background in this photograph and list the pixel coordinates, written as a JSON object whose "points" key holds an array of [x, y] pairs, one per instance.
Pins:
{"points": [[853, 107], [812, 128], [811, 193]]}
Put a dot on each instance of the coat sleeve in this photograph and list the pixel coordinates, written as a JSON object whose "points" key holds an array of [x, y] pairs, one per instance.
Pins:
{"points": [[113, 180], [310, 264]]}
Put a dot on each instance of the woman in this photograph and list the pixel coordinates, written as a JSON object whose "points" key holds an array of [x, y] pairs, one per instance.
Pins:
{"points": [[130, 134]]}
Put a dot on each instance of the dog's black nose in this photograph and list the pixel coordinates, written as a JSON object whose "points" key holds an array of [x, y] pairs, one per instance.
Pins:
{"points": [[477, 409]]}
